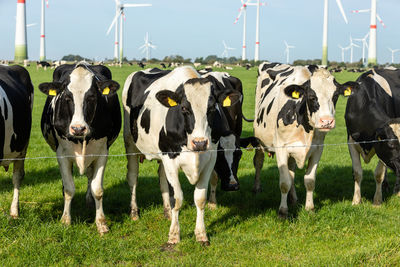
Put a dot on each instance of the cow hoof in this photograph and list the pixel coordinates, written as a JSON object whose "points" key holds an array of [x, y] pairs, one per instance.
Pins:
{"points": [[283, 214], [14, 213], [167, 214], [397, 194], [173, 239], [66, 220], [356, 201], [14, 216], [102, 229], [230, 187], [212, 206], [169, 247], [134, 215]]}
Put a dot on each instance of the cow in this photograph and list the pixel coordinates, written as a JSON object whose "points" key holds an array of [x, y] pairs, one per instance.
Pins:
{"points": [[42, 64], [16, 101], [295, 108], [373, 126], [80, 121], [168, 117]]}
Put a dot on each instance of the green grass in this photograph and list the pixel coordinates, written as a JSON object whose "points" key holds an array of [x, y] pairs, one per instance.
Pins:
{"points": [[243, 231]]}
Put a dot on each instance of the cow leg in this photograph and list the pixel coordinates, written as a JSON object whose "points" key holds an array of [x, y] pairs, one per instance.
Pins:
{"points": [[164, 191], [68, 186], [172, 176], [357, 173], [200, 197], [97, 192], [212, 200], [396, 189], [292, 192], [89, 197], [18, 175], [258, 162], [309, 178], [131, 176], [285, 182], [379, 177]]}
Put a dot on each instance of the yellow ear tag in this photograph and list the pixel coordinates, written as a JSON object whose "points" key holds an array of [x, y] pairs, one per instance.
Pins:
{"points": [[52, 92], [227, 102], [295, 94], [172, 102], [347, 92], [106, 91]]}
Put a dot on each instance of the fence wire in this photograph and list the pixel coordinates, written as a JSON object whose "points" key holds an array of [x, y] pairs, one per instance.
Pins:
{"points": [[265, 148]]}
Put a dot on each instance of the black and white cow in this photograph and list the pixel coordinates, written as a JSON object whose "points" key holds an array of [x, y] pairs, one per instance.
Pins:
{"points": [[81, 119], [295, 108], [227, 128], [16, 100], [168, 117], [373, 114]]}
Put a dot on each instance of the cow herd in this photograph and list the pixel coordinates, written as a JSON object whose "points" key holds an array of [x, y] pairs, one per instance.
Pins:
{"points": [[193, 122]]}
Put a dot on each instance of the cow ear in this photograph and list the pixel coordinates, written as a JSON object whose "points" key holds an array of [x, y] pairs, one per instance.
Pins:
{"points": [[107, 87], [51, 89], [231, 99], [294, 91], [168, 98], [348, 88]]}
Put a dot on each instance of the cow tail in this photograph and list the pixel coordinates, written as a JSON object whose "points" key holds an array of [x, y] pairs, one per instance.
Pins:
{"points": [[246, 119]]}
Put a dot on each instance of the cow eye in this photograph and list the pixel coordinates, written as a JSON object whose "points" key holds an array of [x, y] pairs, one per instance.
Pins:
{"points": [[185, 110]]}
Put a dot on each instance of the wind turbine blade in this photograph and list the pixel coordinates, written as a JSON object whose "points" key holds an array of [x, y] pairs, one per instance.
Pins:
{"points": [[238, 16], [30, 25], [113, 22], [135, 5], [286, 43], [380, 20], [360, 11], [223, 42], [339, 3], [390, 49]]}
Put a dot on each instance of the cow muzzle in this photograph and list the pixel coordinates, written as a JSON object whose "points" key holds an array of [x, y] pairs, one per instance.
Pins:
{"points": [[78, 130], [326, 124], [199, 144]]}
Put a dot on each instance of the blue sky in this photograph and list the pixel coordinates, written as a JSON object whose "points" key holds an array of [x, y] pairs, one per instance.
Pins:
{"points": [[197, 28]]}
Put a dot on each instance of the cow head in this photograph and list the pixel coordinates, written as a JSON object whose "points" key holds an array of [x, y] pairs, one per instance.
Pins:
{"points": [[388, 147], [317, 98], [75, 101]]}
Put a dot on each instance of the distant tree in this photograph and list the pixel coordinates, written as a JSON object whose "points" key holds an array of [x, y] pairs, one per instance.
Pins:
{"points": [[211, 59], [74, 58], [199, 60]]}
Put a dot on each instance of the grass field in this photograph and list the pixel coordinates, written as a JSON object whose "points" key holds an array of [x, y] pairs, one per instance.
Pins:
{"points": [[243, 231]]}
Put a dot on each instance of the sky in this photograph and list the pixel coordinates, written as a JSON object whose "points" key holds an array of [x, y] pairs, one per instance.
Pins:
{"points": [[194, 29]]}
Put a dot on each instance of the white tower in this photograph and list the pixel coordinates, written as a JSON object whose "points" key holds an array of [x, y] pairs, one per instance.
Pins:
{"points": [[21, 48]]}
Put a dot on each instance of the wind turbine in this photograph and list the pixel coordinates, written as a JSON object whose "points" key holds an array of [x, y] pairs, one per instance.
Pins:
{"points": [[147, 46], [21, 48], [42, 54], [372, 31], [325, 30], [351, 49], [226, 49], [242, 10], [343, 49], [364, 45], [120, 14], [393, 51], [287, 51]]}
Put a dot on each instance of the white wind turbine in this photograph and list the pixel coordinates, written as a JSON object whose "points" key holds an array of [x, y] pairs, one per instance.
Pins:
{"points": [[120, 14], [243, 11], [42, 53], [287, 51], [21, 47], [364, 46], [325, 30], [343, 49], [226, 49], [147, 46], [351, 45], [372, 31], [393, 51]]}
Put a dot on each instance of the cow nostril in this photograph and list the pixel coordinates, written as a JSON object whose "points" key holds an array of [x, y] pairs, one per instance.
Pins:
{"points": [[199, 145], [78, 130]]}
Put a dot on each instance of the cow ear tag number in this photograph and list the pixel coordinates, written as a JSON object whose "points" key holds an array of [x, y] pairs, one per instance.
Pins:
{"points": [[347, 92], [52, 92], [296, 94], [106, 91], [227, 102], [172, 102]]}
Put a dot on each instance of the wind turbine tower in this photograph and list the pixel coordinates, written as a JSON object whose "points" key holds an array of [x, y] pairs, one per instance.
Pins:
{"points": [[325, 30], [393, 51], [287, 51], [42, 54], [147, 46], [372, 35], [21, 48]]}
